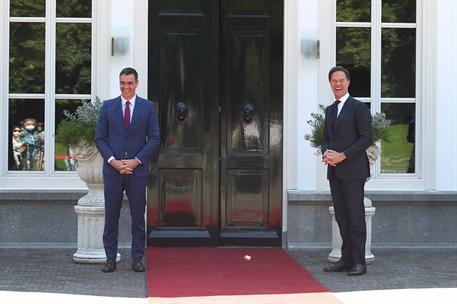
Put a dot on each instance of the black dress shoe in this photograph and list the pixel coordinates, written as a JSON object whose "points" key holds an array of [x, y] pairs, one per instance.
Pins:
{"points": [[109, 266], [138, 266], [339, 266], [357, 270]]}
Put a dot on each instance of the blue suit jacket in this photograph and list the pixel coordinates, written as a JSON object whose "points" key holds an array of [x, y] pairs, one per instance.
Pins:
{"points": [[140, 140], [350, 133]]}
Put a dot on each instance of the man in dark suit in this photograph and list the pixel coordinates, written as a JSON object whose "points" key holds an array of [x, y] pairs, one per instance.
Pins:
{"points": [[127, 135], [347, 134]]}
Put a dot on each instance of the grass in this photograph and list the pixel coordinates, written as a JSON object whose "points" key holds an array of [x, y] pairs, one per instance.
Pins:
{"points": [[396, 154], [61, 149]]}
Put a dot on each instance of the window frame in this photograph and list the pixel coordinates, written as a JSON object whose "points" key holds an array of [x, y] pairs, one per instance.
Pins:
{"points": [[100, 56], [425, 25]]}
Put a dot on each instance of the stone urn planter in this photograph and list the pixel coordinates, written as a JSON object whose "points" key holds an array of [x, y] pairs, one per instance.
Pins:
{"points": [[91, 207], [373, 153]]}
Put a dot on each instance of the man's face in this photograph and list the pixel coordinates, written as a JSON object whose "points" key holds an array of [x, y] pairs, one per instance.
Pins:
{"points": [[128, 85], [339, 84]]}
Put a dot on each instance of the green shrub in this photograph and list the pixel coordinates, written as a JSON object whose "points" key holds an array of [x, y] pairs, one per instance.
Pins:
{"points": [[80, 125]]}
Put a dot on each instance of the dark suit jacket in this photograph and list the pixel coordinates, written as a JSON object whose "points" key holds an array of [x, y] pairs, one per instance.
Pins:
{"points": [[141, 140], [350, 133]]}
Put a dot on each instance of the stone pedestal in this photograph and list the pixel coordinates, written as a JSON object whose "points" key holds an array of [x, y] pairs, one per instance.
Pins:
{"points": [[337, 242], [91, 208]]}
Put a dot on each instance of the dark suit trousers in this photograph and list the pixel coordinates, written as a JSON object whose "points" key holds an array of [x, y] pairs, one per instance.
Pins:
{"points": [[347, 196], [135, 188]]}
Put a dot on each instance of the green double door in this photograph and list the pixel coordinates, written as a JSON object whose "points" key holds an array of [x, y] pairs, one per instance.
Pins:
{"points": [[216, 74]]}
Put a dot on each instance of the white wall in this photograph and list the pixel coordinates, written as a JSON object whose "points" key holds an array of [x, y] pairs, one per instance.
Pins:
{"points": [[300, 93], [122, 30], [446, 96]]}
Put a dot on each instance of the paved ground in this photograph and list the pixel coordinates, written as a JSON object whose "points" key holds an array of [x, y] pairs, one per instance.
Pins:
{"points": [[397, 276], [392, 269]]}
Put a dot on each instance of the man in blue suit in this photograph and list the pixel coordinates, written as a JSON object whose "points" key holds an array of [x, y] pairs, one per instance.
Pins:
{"points": [[127, 135], [347, 135]]}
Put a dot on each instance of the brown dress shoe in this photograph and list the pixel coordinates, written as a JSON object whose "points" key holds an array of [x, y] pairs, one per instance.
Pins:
{"points": [[339, 266], [138, 266], [109, 266], [357, 270]]}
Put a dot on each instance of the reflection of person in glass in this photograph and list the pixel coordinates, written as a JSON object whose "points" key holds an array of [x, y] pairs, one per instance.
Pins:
{"points": [[40, 153], [126, 135], [411, 138], [31, 140], [347, 135], [18, 147]]}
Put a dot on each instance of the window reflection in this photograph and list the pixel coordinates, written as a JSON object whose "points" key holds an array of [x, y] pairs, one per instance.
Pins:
{"points": [[353, 11], [398, 154], [399, 11], [398, 62], [26, 70], [353, 52], [74, 8], [64, 158], [27, 8], [26, 146], [73, 51]]}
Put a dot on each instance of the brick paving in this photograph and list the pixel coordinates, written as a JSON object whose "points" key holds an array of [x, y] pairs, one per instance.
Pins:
{"points": [[53, 271], [392, 269]]}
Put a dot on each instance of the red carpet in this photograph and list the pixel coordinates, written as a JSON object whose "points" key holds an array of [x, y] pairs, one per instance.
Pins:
{"points": [[193, 272]]}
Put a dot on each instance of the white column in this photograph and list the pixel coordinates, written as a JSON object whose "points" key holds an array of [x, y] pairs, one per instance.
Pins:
{"points": [[91, 209]]}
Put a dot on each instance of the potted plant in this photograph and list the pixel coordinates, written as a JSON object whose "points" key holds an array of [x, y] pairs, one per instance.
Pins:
{"points": [[78, 130], [379, 124], [78, 133]]}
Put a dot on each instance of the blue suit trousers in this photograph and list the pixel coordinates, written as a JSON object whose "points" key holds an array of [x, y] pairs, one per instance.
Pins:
{"points": [[135, 188]]}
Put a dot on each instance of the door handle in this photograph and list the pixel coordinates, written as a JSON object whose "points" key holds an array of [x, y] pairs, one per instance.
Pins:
{"points": [[181, 111], [248, 112]]}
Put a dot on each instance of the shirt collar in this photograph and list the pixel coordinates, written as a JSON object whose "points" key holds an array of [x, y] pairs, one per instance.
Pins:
{"points": [[343, 99], [132, 101]]}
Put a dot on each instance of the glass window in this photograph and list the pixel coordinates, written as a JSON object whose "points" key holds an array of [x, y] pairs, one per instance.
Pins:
{"points": [[65, 159], [27, 55], [27, 8], [398, 62], [397, 154], [34, 101], [26, 122], [353, 51], [399, 11], [74, 8], [389, 85], [353, 11], [73, 58]]}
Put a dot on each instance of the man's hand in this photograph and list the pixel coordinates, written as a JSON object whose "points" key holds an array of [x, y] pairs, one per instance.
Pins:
{"points": [[121, 166], [130, 164], [333, 158]]}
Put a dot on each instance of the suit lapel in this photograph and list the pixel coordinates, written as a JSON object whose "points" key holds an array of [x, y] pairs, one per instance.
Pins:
{"points": [[347, 107], [118, 112]]}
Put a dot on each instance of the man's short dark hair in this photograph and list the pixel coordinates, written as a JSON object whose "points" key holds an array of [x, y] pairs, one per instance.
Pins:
{"points": [[129, 71], [337, 69]]}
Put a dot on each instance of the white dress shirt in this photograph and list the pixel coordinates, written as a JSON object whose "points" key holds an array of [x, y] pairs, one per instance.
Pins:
{"points": [[342, 101]]}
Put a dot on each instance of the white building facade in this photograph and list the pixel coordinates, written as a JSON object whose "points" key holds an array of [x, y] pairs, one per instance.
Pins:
{"points": [[403, 60]]}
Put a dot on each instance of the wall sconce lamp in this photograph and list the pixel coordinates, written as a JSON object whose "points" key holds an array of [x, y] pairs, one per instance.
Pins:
{"points": [[119, 45], [310, 48]]}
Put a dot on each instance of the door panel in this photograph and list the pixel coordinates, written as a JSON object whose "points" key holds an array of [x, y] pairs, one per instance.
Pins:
{"points": [[250, 45], [180, 187], [215, 72]]}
